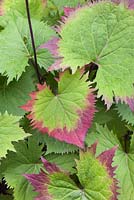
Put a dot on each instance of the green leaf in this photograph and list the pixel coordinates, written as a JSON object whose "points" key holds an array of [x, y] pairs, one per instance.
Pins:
{"points": [[15, 94], [26, 159], [109, 117], [64, 161], [5, 197], [131, 149], [66, 3], [56, 146], [66, 114], [102, 34], [53, 183], [9, 132], [54, 9], [124, 161], [36, 7], [126, 113], [53, 145], [16, 47]]}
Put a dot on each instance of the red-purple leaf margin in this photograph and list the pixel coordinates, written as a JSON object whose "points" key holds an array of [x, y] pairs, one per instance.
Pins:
{"points": [[41, 181], [74, 136]]}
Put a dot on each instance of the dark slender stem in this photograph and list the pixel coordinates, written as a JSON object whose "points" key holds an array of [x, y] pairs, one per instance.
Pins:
{"points": [[35, 63], [126, 141]]}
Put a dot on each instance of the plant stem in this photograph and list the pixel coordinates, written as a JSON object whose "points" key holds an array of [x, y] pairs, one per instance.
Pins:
{"points": [[35, 63], [127, 142]]}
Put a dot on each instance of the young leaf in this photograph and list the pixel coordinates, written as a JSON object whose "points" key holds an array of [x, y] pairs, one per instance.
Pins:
{"points": [[26, 159], [9, 132], [102, 34], [56, 184], [15, 94], [124, 161], [16, 48], [66, 115]]}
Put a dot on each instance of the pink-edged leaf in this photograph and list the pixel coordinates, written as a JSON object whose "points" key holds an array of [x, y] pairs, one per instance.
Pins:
{"points": [[51, 182], [130, 102], [101, 170], [127, 3], [131, 4], [85, 37], [68, 11], [49, 166], [41, 181], [106, 158], [51, 45], [67, 115], [96, 176], [1, 9]]}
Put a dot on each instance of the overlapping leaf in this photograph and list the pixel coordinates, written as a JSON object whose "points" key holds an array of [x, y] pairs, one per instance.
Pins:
{"points": [[124, 161], [102, 34], [126, 113], [26, 159], [61, 4], [6, 197], [130, 102], [36, 7], [129, 3], [66, 115], [13, 95], [56, 146], [16, 48], [9, 132], [64, 161], [56, 184], [53, 145], [110, 118]]}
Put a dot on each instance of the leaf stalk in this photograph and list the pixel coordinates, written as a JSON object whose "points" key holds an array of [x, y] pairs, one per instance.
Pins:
{"points": [[35, 63]]}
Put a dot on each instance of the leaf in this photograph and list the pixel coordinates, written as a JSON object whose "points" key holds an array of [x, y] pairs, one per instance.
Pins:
{"points": [[54, 10], [26, 159], [54, 184], [102, 34], [130, 102], [9, 132], [16, 47], [131, 150], [36, 7], [64, 161], [66, 115], [109, 117], [126, 113], [129, 3], [5, 197], [52, 145], [56, 146], [124, 161], [13, 95], [66, 3], [96, 171]]}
